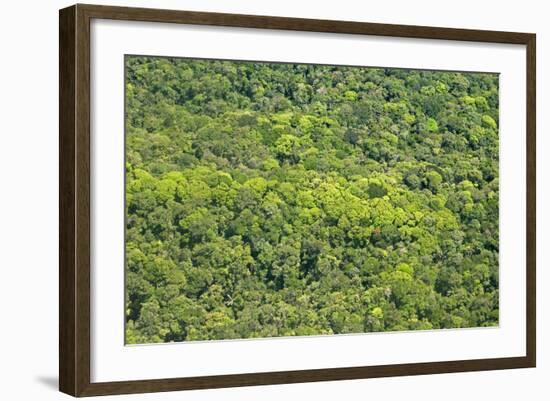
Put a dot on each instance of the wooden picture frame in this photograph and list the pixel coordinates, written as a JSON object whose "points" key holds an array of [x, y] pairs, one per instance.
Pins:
{"points": [[74, 200]]}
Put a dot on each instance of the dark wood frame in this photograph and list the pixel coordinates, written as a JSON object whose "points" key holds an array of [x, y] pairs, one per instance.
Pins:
{"points": [[74, 200]]}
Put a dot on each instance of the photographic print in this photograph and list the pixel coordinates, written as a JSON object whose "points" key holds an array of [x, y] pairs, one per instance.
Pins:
{"points": [[255, 200], [275, 199]]}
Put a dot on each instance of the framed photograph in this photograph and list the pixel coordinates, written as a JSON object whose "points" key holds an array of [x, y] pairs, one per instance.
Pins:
{"points": [[250, 200]]}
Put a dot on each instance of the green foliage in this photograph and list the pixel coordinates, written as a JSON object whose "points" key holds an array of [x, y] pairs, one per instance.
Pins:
{"points": [[283, 199], [489, 122], [431, 124]]}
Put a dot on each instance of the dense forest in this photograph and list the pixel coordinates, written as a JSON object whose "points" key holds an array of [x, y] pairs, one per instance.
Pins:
{"points": [[269, 199]]}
